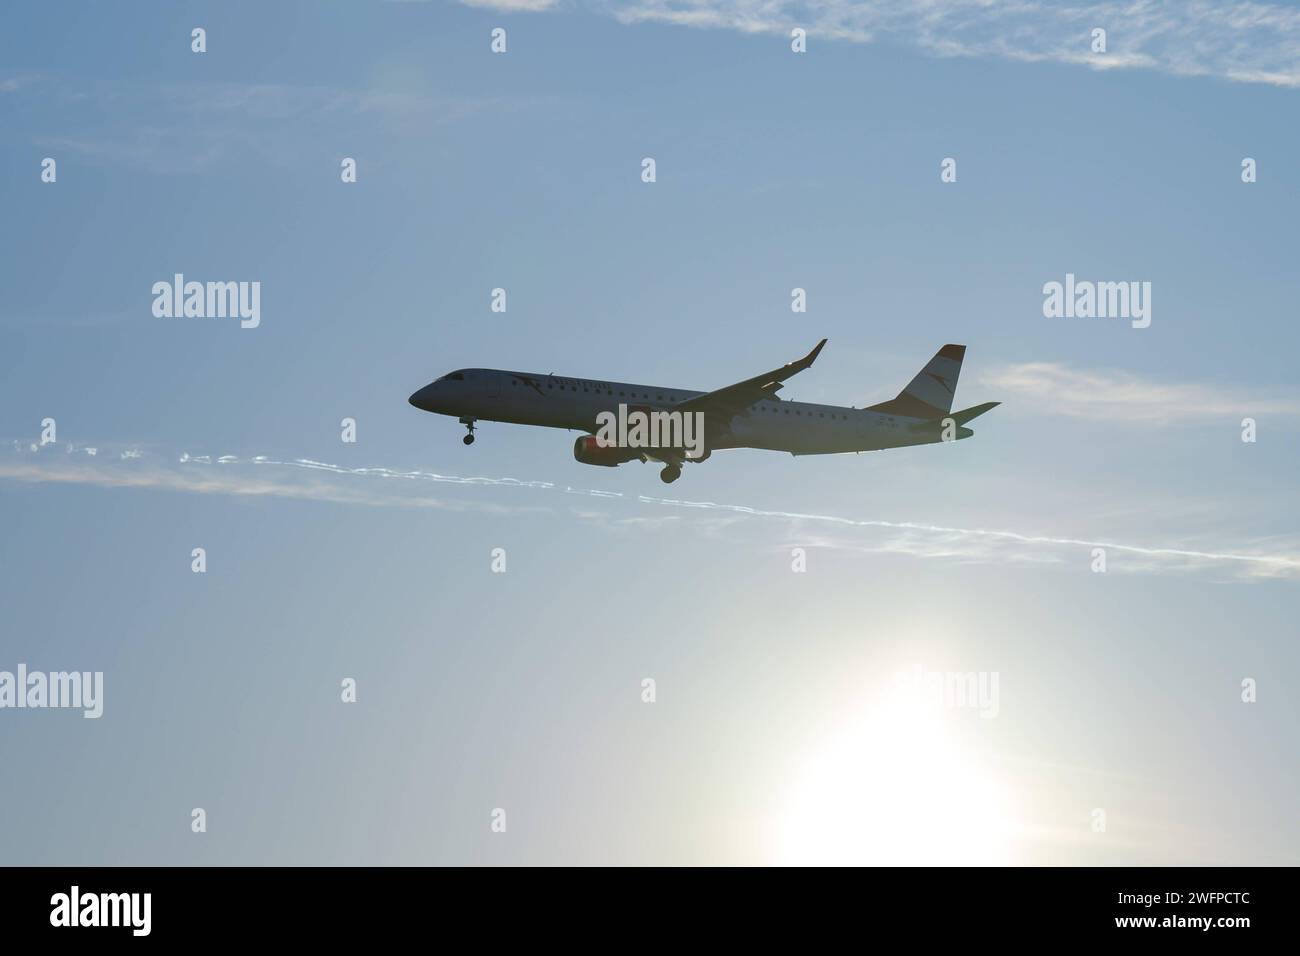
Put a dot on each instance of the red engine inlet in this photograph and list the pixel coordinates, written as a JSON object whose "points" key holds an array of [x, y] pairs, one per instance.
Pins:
{"points": [[590, 452]]}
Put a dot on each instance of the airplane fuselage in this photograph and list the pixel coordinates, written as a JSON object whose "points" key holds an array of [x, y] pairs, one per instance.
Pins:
{"points": [[556, 401]]}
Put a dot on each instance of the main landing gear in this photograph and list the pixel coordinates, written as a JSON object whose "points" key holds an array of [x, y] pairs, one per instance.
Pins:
{"points": [[468, 423], [670, 474]]}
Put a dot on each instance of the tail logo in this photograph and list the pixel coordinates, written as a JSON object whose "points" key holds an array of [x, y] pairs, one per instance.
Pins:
{"points": [[942, 381]]}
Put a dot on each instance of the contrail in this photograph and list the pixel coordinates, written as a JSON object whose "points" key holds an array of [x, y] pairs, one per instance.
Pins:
{"points": [[133, 468], [1288, 563], [372, 472], [1280, 563]]}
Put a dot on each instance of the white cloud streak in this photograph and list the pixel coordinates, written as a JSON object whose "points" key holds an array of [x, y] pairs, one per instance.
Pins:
{"points": [[374, 486], [1238, 40], [1113, 396], [230, 475], [12, 84], [199, 126], [948, 541], [513, 6]]}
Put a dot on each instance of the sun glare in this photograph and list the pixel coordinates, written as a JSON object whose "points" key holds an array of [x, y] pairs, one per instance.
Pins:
{"points": [[893, 788]]}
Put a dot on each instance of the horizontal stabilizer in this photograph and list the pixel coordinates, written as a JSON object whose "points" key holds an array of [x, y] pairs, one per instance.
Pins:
{"points": [[975, 411], [961, 417]]}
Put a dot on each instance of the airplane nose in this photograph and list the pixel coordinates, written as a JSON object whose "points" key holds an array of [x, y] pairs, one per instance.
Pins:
{"points": [[422, 398]]}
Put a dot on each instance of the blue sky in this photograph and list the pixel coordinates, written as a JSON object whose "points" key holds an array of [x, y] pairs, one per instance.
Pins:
{"points": [[522, 690]]}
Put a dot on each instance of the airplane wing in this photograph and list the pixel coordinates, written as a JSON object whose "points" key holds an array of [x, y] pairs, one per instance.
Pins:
{"points": [[723, 403]]}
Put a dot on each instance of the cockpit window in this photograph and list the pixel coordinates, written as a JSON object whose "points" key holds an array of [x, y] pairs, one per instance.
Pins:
{"points": [[453, 377]]}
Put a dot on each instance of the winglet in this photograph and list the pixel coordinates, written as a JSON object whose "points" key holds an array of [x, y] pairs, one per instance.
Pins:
{"points": [[811, 357]]}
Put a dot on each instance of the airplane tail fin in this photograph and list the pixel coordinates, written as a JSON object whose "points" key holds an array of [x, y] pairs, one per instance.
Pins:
{"points": [[929, 395]]}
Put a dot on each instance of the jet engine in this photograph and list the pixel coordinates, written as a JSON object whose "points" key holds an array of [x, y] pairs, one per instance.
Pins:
{"points": [[589, 451]]}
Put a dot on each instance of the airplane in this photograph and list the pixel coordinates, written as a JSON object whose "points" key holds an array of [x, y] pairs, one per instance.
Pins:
{"points": [[747, 414]]}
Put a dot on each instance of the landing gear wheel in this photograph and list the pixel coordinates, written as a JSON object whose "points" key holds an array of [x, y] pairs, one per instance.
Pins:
{"points": [[468, 423], [670, 474], [468, 439]]}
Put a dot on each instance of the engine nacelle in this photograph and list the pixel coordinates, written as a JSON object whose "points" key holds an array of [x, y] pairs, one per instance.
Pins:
{"points": [[589, 451]]}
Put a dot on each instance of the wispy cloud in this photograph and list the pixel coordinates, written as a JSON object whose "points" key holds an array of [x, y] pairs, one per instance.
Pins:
{"points": [[1114, 396], [513, 6], [1238, 40], [921, 539], [259, 476], [309, 479], [12, 84], [187, 127]]}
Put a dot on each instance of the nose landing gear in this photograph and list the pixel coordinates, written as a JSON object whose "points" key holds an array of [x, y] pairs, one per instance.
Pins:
{"points": [[469, 424], [670, 474]]}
